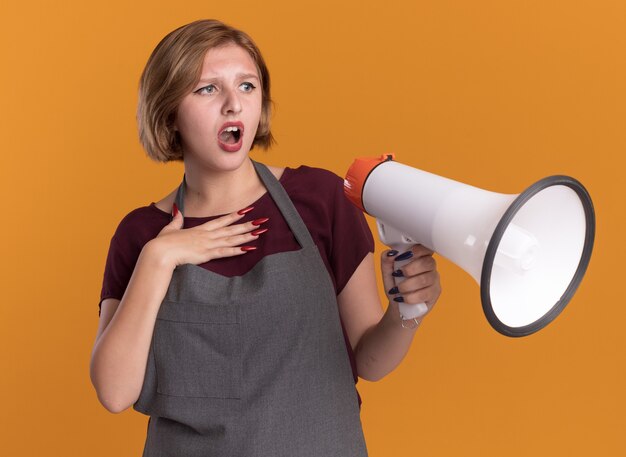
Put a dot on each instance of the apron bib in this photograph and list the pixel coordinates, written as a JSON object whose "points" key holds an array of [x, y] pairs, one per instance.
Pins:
{"points": [[252, 365]]}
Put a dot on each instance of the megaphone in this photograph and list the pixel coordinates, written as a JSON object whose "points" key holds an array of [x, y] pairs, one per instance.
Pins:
{"points": [[528, 252]]}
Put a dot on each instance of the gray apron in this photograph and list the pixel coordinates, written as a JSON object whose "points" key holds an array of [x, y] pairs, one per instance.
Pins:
{"points": [[252, 365]]}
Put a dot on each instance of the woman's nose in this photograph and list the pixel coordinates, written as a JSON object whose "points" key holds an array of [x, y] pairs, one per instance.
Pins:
{"points": [[231, 102]]}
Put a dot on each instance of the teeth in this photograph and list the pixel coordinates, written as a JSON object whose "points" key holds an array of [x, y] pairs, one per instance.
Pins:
{"points": [[231, 129]]}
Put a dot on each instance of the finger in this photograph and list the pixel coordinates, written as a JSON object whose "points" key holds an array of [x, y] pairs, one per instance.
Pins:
{"points": [[419, 265], [235, 229], [387, 268], [417, 282], [222, 221], [428, 295], [420, 250], [220, 252], [232, 241]]}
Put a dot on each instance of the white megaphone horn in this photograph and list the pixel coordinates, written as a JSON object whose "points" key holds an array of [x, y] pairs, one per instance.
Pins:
{"points": [[528, 252]]}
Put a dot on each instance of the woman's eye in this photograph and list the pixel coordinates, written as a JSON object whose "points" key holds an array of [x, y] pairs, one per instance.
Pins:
{"points": [[206, 89], [248, 86]]}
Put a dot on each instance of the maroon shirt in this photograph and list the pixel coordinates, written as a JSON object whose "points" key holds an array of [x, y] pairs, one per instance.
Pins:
{"points": [[337, 227]]}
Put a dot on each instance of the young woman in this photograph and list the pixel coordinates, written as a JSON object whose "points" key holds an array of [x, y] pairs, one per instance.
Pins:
{"points": [[238, 311]]}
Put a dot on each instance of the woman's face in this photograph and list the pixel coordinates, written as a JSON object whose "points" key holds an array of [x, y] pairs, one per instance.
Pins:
{"points": [[228, 95]]}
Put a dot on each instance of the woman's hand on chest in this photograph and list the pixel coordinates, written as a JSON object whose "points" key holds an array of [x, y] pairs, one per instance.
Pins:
{"points": [[214, 239]]}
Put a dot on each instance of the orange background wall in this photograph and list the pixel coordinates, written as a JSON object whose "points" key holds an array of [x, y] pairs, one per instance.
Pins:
{"points": [[497, 94]]}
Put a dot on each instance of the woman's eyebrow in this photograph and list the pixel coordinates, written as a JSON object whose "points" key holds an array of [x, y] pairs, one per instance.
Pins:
{"points": [[238, 76], [247, 75]]}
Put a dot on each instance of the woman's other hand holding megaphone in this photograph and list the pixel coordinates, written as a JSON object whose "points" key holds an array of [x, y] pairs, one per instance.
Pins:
{"points": [[411, 277]]}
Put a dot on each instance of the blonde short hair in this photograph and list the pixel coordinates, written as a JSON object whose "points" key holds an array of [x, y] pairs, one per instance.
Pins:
{"points": [[172, 70]]}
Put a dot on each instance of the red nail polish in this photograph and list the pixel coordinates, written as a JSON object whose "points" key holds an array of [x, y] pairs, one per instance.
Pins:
{"points": [[258, 231], [260, 221], [248, 248], [175, 210], [245, 210]]}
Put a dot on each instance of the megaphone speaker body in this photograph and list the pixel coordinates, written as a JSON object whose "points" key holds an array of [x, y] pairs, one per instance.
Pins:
{"points": [[527, 251]]}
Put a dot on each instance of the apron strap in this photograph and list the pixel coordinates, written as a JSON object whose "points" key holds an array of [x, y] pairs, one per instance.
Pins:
{"points": [[285, 205], [280, 197]]}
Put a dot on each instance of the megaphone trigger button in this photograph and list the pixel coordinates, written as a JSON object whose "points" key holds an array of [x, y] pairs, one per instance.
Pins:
{"points": [[404, 256], [397, 274]]}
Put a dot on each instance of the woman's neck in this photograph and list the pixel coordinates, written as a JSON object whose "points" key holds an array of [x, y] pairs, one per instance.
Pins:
{"points": [[213, 193]]}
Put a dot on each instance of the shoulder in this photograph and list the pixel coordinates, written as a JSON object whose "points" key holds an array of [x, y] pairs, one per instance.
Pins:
{"points": [[315, 173], [313, 190], [307, 179], [319, 196], [140, 225]]}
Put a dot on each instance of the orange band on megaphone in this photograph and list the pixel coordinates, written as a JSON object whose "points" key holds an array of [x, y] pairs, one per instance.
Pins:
{"points": [[357, 175]]}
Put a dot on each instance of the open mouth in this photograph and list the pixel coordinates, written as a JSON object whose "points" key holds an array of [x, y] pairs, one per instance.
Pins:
{"points": [[230, 135]]}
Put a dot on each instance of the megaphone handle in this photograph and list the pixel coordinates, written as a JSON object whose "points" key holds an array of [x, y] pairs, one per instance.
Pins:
{"points": [[400, 242], [409, 310]]}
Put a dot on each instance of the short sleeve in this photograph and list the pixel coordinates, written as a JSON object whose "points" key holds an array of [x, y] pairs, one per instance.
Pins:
{"points": [[351, 238], [134, 230], [120, 263]]}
